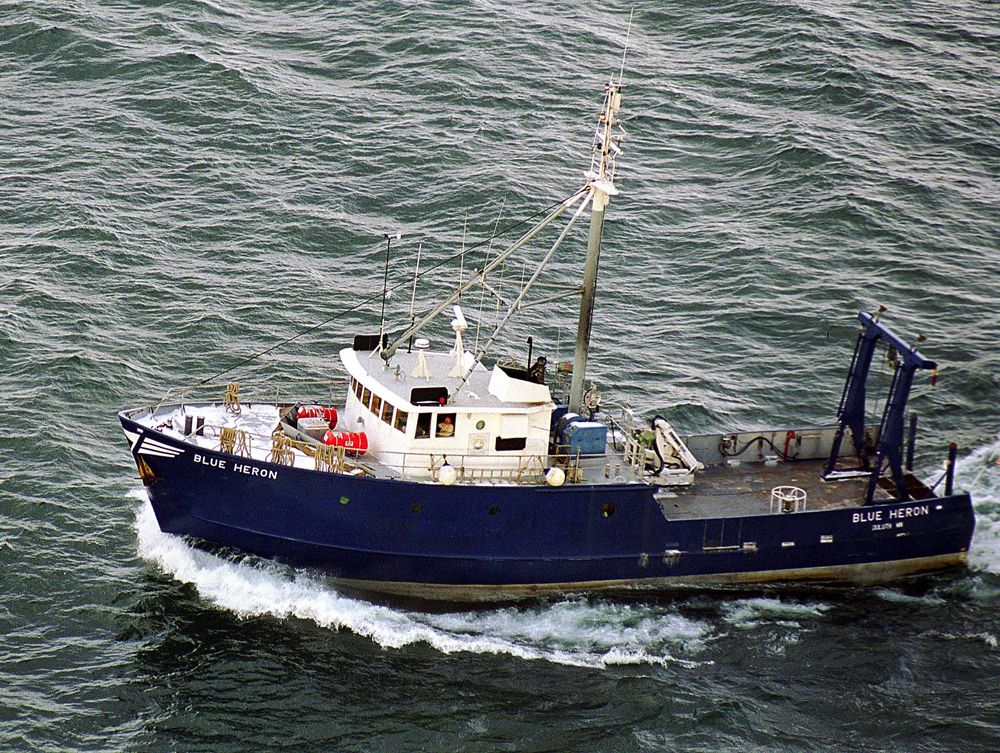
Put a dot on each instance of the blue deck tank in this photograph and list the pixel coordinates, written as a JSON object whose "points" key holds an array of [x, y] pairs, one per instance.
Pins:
{"points": [[585, 437]]}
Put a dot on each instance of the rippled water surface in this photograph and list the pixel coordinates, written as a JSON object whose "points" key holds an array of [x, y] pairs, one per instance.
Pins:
{"points": [[184, 184]]}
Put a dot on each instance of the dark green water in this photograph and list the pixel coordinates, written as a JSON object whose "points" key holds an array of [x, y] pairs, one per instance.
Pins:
{"points": [[183, 184]]}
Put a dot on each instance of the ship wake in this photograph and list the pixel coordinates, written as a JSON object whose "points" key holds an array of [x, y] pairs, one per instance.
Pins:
{"points": [[979, 474], [573, 632]]}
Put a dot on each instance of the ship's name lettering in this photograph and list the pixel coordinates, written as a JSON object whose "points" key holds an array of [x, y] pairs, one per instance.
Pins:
{"points": [[212, 462], [899, 513], [223, 465]]}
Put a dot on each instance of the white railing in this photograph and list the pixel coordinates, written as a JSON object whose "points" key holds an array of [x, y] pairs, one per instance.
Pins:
{"points": [[472, 468], [506, 468]]}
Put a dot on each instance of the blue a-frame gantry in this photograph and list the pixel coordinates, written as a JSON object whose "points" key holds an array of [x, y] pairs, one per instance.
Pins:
{"points": [[851, 413]]}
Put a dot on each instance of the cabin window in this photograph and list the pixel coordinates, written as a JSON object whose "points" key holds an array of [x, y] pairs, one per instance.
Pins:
{"points": [[366, 396], [423, 426], [400, 423], [376, 405], [357, 388], [387, 412], [507, 445], [353, 382], [445, 425]]}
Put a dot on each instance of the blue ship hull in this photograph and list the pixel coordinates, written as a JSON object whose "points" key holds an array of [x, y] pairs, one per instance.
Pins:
{"points": [[495, 542]]}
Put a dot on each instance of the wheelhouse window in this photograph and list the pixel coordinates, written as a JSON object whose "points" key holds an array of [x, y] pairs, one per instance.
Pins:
{"points": [[423, 430], [366, 396], [438, 425], [376, 405], [400, 423], [387, 412], [357, 388], [445, 425]]}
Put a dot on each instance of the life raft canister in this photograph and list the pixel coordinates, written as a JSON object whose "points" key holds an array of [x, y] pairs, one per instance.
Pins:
{"points": [[328, 413], [354, 442]]}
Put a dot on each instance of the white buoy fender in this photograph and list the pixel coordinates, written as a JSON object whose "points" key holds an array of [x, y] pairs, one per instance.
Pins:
{"points": [[555, 476], [447, 475]]}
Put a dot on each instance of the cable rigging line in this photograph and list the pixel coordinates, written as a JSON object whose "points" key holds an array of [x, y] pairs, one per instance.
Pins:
{"points": [[373, 298]]}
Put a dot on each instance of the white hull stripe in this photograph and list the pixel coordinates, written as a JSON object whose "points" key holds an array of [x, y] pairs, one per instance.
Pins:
{"points": [[149, 446], [159, 453], [132, 437], [152, 444]]}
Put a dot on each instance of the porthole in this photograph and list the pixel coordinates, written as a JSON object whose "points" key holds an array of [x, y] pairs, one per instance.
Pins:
{"points": [[480, 425], [494, 510], [416, 507], [607, 509], [345, 501]]}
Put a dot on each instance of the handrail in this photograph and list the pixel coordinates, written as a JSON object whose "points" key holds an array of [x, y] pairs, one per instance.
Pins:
{"points": [[278, 447], [519, 468]]}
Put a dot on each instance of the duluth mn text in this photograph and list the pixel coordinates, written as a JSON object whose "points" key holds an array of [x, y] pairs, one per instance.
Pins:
{"points": [[223, 465]]}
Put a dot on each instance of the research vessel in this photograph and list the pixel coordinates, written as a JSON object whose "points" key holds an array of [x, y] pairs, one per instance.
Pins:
{"points": [[445, 473]]}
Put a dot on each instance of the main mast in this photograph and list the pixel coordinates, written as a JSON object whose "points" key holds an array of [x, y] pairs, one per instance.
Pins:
{"points": [[599, 188], [607, 141]]}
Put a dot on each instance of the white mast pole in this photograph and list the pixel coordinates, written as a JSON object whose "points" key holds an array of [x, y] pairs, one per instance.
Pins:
{"points": [[603, 184]]}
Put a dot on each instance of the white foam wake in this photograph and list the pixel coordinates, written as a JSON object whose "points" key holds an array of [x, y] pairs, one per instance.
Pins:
{"points": [[979, 474], [763, 610], [896, 596], [574, 632], [780, 623]]}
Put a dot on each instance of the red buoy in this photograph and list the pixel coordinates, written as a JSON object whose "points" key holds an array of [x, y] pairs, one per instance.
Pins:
{"points": [[355, 442]]}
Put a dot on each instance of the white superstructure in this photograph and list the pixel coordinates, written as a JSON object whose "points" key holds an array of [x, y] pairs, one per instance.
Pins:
{"points": [[420, 412]]}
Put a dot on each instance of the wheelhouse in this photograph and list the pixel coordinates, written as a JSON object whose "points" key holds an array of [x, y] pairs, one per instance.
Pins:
{"points": [[421, 412]]}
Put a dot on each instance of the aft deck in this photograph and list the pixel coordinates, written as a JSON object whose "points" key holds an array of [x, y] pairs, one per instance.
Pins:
{"points": [[723, 490]]}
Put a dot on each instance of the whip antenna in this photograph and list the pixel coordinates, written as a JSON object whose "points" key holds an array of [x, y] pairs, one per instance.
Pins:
{"points": [[385, 282], [628, 32]]}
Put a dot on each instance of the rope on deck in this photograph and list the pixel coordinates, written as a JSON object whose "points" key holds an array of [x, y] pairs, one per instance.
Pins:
{"points": [[330, 458], [282, 449], [235, 442], [231, 402]]}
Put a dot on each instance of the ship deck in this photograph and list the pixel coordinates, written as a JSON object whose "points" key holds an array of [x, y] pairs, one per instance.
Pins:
{"points": [[722, 490]]}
